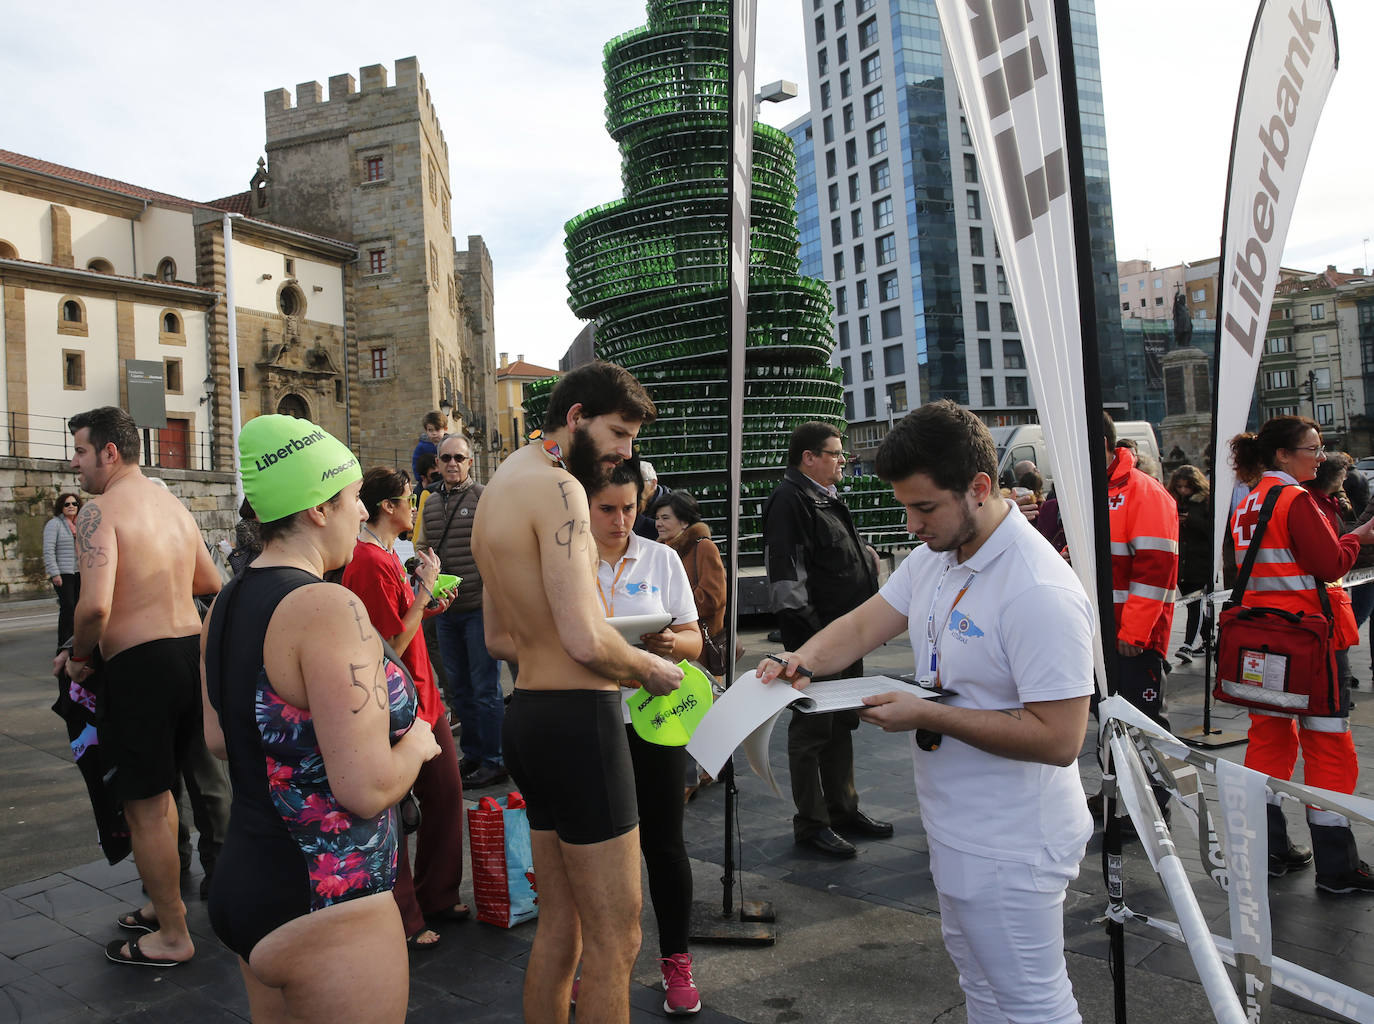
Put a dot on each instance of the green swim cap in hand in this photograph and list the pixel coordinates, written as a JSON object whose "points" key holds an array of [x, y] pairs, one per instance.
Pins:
{"points": [[671, 719]]}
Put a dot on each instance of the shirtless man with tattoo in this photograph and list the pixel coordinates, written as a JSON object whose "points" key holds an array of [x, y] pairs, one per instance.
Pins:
{"points": [[564, 740], [141, 559]]}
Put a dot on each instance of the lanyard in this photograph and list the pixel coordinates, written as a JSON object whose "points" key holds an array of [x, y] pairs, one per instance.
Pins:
{"points": [[933, 641], [609, 607]]}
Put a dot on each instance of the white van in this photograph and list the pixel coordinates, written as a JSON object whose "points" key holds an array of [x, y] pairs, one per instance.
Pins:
{"points": [[1027, 441]]}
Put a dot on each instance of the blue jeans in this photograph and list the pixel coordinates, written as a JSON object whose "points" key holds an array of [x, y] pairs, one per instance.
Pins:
{"points": [[474, 682]]}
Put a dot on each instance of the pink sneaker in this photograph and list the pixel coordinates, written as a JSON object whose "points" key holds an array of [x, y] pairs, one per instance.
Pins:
{"points": [[682, 995]]}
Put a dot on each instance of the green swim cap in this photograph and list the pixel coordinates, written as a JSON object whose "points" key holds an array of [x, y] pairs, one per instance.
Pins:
{"points": [[289, 464]]}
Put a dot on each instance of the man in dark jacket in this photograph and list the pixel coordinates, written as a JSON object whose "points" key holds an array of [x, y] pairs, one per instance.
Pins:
{"points": [[654, 493], [473, 675], [818, 570]]}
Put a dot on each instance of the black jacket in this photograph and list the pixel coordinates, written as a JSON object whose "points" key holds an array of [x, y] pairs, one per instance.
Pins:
{"points": [[455, 511], [818, 569], [1194, 544]]}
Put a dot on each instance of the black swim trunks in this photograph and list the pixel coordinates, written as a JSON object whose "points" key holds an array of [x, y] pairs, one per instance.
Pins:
{"points": [[566, 750], [149, 714]]}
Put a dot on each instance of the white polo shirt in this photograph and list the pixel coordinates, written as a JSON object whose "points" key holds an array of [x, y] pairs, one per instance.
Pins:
{"points": [[648, 578], [1011, 626]]}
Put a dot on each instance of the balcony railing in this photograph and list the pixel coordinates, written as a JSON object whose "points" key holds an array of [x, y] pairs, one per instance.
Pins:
{"points": [[34, 436]]}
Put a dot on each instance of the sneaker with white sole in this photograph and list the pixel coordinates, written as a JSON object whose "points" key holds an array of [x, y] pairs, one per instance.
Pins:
{"points": [[682, 997], [1184, 654], [1359, 880]]}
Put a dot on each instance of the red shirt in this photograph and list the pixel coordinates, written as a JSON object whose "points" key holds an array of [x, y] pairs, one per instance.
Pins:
{"points": [[376, 576]]}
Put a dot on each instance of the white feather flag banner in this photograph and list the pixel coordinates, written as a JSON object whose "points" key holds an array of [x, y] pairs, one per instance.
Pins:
{"points": [[1005, 59], [1288, 72]]}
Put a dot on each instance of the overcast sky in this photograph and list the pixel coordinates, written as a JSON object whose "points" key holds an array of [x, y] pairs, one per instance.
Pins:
{"points": [[173, 101]]}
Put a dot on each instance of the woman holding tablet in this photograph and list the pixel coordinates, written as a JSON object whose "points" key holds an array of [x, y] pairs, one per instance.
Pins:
{"points": [[638, 577]]}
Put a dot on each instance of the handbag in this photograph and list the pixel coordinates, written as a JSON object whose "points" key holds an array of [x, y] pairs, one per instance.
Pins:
{"points": [[502, 861], [712, 647], [1272, 659]]}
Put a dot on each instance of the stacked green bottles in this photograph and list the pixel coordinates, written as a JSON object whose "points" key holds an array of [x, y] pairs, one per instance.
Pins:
{"points": [[650, 270]]}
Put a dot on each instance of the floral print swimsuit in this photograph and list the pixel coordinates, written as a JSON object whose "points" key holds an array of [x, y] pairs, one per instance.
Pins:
{"points": [[291, 849]]}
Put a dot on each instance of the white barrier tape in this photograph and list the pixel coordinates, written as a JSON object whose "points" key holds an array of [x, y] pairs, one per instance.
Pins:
{"points": [[1354, 578], [1159, 847], [1116, 707], [1306, 984]]}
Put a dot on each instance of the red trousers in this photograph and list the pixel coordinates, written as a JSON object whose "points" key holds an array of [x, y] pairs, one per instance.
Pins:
{"points": [[1328, 751], [438, 790]]}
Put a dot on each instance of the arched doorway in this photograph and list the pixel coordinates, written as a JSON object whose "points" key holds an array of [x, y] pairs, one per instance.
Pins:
{"points": [[293, 405]]}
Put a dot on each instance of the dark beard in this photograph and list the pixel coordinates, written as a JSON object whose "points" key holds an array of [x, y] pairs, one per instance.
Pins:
{"points": [[585, 463], [968, 529]]}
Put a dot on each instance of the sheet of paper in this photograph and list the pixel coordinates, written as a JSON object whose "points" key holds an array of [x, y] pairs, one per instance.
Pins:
{"points": [[745, 715], [843, 694]]}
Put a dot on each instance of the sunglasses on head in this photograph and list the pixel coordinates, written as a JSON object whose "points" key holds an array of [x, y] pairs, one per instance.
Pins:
{"points": [[453, 457]]}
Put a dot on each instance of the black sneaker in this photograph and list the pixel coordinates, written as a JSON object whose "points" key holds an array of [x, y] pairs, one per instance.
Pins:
{"points": [[1356, 880], [1184, 654], [1295, 858]]}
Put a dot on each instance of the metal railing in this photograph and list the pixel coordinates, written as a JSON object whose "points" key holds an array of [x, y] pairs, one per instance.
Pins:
{"points": [[34, 436]]}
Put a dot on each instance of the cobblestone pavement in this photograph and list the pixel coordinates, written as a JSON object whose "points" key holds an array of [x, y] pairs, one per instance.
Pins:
{"points": [[856, 940]]}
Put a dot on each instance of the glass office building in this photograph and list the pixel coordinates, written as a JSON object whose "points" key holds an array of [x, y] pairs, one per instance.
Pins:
{"points": [[895, 204]]}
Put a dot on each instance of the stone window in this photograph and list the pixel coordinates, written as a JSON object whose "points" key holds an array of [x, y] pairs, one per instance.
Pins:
{"points": [[171, 329], [374, 167], [71, 316], [8, 251], [381, 364], [377, 261], [100, 266], [433, 265], [291, 301], [289, 266], [167, 269], [73, 370], [171, 376], [433, 181]]}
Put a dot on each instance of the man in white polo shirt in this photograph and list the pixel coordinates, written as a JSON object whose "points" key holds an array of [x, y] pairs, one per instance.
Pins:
{"points": [[985, 599]]}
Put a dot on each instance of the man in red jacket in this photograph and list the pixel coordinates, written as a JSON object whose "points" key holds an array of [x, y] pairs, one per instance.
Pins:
{"points": [[1144, 528]]}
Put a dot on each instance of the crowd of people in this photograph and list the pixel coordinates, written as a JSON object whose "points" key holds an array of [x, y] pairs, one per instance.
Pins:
{"points": [[314, 675]]}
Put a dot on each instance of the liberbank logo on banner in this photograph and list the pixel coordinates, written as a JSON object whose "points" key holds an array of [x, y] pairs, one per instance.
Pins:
{"points": [[287, 450], [1266, 183]]}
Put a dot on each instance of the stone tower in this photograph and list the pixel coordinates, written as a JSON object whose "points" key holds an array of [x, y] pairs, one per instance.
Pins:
{"points": [[370, 165]]}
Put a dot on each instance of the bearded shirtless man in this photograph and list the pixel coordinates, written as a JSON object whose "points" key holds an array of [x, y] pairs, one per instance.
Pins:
{"points": [[564, 740], [141, 559]]}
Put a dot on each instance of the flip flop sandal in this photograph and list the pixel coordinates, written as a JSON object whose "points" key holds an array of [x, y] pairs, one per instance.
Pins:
{"points": [[136, 957], [451, 913], [137, 922], [413, 941]]}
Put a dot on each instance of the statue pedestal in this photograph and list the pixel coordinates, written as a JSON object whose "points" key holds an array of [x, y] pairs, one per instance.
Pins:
{"points": [[1186, 430]]}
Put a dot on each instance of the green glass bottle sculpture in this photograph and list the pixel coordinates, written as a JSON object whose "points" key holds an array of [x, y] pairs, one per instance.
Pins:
{"points": [[650, 270]]}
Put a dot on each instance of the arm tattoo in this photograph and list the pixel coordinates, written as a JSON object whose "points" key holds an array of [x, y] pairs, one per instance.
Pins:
{"points": [[91, 555], [563, 486], [376, 690], [1010, 713], [563, 536], [353, 607]]}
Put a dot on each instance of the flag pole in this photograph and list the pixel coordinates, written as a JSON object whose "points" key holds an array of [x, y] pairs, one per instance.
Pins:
{"points": [[1097, 469]]}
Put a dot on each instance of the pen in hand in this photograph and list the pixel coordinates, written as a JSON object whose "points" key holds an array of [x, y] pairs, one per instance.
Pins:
{"points": [[801, 670]]}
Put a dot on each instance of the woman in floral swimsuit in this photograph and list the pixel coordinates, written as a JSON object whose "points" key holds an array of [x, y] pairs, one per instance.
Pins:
{"points": [[319, 725]]}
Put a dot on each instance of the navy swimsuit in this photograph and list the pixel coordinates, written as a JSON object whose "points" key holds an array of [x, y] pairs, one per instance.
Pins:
{"points": [[291, 848]]}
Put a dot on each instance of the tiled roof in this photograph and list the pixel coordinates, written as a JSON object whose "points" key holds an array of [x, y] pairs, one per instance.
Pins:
{"points": [[520, 368], [30, 163], [240, 202]]}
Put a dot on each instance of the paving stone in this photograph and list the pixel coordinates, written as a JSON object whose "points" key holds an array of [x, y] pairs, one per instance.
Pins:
{"points": [[104, 875], [70, 899], [32, 1000], [28, 933], [12, 970], [10, 909]]}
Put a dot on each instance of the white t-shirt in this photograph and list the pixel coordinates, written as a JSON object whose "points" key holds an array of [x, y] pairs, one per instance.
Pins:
{"points": [[1021, 632], [648, 578]]}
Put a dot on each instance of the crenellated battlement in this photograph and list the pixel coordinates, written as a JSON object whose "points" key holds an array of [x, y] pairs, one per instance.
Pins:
{"points": [[349, 104]]}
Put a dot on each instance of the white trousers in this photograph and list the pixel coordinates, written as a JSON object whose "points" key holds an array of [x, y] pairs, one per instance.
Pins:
{"points": [[1003, 925]]}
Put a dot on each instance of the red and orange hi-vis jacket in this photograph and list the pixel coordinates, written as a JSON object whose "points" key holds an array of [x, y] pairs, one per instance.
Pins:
{"points": [[1144, 521]]}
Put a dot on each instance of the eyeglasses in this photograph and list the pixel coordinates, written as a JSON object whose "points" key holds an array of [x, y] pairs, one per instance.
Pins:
{"points": [[412, 499], [1311, 449], [453, 457], [836, 453]]}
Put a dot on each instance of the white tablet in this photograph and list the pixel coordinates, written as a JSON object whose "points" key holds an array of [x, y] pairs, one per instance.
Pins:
{"points": [[632, 627]]}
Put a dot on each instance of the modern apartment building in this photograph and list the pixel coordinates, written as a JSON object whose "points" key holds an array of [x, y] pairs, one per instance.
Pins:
{"points": [[892, 213]]}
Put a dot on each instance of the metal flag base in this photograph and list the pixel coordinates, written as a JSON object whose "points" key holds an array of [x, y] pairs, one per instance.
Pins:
{"points": [[1210, 739], [753, 925]]}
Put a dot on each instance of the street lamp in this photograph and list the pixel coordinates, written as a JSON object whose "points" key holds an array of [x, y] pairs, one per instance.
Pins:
{"points": [[774, 92]]}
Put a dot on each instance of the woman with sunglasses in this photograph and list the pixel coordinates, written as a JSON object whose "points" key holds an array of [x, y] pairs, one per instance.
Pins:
{"points": [[376, 576], [1300, 552], [59, 560]]}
